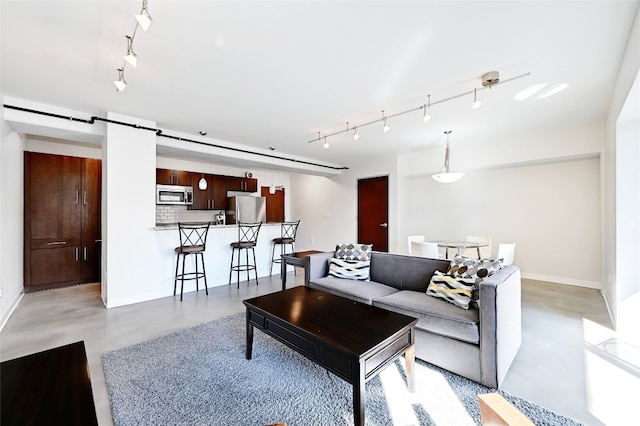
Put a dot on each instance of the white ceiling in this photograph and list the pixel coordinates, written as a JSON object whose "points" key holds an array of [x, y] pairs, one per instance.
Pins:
{"points": [[288, 70]]}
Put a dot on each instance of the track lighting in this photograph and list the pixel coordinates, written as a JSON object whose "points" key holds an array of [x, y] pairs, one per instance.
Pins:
{"points": [[144, 18], [445, 176], [326, 144], [426, 117], [385, 128], [143, 21], [488, 80], [131, 56], [120, 83], [476, 102]]}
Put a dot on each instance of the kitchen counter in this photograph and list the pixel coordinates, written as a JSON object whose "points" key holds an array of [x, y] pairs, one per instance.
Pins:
{"points": [[217, 256]]}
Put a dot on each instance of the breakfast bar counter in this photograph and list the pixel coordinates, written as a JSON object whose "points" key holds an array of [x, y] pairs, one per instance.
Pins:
{"points": [[217, 255]]}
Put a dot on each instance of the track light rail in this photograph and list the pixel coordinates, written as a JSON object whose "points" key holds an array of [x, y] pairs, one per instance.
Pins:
{"points": [[421, 107]]}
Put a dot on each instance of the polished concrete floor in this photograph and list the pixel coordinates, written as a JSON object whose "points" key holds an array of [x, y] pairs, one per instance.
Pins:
{"points": [[570, 360]]}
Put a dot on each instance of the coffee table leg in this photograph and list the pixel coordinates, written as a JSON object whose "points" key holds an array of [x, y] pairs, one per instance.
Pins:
{"points": [[410, 361], [249, 338], [359, 397]]}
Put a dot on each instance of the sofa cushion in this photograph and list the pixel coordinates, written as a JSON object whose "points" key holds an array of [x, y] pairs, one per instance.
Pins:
{"points": [[434, 315], [349, 269], [453, 289], [361, 291], [478, 270], [405, 272], [353, 251]]}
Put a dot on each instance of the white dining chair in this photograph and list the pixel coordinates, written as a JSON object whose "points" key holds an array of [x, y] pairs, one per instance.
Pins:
{"points": [[480, 252], [425, 249], [506, 251], [412, 238]]}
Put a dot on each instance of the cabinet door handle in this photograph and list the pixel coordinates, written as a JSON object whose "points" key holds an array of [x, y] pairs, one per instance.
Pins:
{"points": [[84, 197], [84, 255], [77, 196], [98, 241], [76, 254], [56, 243]]}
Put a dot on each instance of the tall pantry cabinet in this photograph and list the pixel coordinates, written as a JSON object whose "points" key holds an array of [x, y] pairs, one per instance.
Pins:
{"points": [[62, 225]]}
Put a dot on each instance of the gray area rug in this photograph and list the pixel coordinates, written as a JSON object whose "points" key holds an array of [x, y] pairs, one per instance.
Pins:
{"points": [[199, 376]]}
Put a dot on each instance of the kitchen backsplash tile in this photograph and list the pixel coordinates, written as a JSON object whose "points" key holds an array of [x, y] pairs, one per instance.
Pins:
{"points": [[173, 214]]}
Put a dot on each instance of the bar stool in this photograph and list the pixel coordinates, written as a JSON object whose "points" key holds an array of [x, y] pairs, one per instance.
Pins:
{"points": [[288, 232], [247, 240], [193, 239]]}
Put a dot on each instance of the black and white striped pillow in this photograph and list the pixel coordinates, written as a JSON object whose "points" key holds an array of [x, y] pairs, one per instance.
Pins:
{"points": [[349, 269], [456, 290]]}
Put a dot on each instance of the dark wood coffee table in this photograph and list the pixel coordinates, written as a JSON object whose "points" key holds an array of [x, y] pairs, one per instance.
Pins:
{"points": [[49, 387], [353, 340]]}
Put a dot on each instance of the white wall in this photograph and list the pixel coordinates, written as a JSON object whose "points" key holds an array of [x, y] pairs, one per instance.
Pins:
{"points": [[504, 195], [11, 220], [129, 212], [328, 206], [551, 211], [612, 200]]}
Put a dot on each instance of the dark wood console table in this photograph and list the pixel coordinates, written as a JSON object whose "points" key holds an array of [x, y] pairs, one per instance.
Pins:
{"points": [[50, 387], [353, 340], [295, 259]]}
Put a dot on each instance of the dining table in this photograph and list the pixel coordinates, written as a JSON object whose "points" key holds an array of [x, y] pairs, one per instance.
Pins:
{"points": [[460, 245]]}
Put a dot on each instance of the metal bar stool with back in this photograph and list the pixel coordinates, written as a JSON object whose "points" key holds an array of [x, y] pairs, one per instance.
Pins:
{"points": [[247, 240], [288, 232], [193, 239]]}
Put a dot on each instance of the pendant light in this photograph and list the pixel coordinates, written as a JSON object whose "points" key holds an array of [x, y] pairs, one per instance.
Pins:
{"points": [[272, 188], [385, 128], [202, 183], [445, 176], [356, 136]]}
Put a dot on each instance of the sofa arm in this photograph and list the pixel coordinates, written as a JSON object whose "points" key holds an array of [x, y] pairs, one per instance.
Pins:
{"points": [[316, 266], [500, 324]]}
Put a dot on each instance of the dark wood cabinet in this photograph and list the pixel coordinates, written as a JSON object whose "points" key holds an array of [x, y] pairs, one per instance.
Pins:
{"points": [[212, 198], [242, 184], [62, 210], [173, 177]]}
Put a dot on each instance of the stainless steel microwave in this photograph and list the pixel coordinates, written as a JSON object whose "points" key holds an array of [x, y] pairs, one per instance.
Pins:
{"points": [[174, 194]]}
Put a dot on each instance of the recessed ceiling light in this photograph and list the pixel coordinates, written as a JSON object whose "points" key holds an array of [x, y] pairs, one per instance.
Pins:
{"points": [[219, 41], [553, 90], [527, 93]]}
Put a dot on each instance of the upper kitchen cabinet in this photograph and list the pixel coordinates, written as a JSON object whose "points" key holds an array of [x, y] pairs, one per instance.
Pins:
{"points": [[212, 198], [173, 177], [242, 184], [62, 208]]}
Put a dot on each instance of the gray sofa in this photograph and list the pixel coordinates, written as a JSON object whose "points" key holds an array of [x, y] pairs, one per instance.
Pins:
{"points": [[479, 344]]}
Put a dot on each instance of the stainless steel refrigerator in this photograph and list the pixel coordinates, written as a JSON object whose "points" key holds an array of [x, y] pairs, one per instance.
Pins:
{"points": [[245, 208]]}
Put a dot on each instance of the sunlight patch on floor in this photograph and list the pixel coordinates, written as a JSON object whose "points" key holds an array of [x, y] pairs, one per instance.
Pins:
{"points": [[612, 375], [433, 396]]}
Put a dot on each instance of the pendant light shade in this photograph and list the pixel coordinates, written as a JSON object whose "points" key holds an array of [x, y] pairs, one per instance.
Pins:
{"points": [[445, 176], [131, 56], [120, 83], [202, 183]]}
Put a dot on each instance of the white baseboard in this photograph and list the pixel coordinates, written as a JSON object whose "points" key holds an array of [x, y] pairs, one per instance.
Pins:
{"points": [[12, 308], [562, 280]]}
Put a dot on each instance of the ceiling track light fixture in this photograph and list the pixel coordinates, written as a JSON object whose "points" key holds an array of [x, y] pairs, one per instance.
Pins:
{"points": [[445, 176], [356, 136], [488, 80], [131, 56], [143, 20], [426, 117], [385, 128], [120, 83], [476, 103]]}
